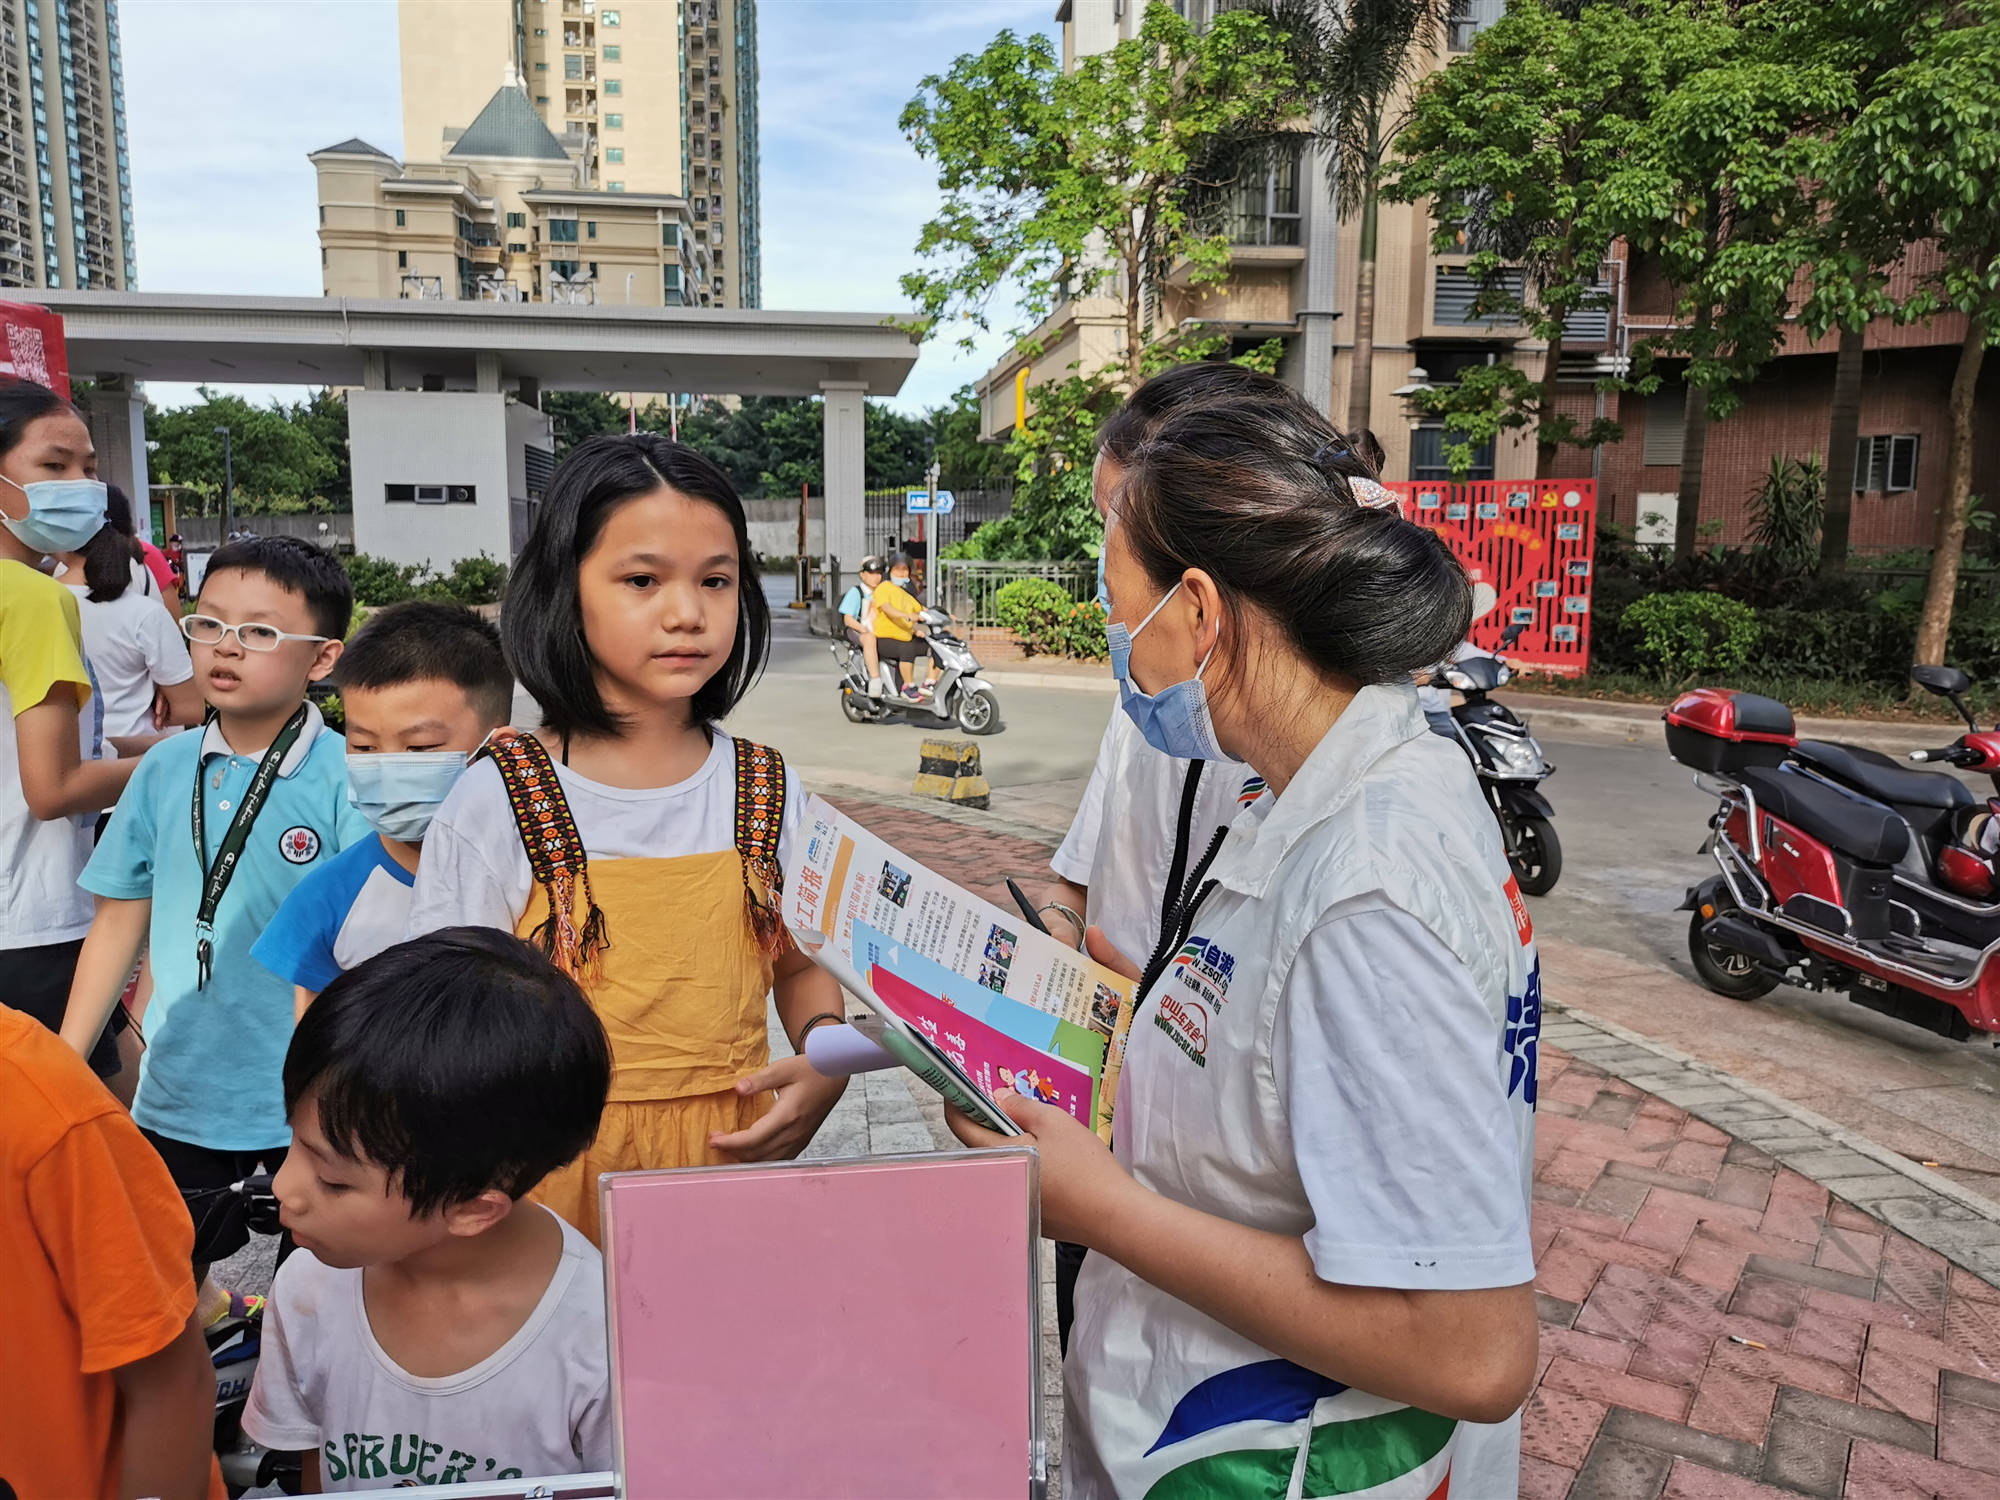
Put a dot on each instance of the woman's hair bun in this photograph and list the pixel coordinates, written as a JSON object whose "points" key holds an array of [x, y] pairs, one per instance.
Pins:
{"points": [[1257, 495]]}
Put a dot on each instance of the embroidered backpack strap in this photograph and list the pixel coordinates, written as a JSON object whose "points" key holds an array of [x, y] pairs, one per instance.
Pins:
{"points": [[554, 848], [760, 821]]}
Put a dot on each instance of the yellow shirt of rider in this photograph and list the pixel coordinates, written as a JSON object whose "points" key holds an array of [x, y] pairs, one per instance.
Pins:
{"points": [[896, 597]]}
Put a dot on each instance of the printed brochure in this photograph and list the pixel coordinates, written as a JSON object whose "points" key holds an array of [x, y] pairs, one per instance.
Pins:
{"points": [[860, 908]]}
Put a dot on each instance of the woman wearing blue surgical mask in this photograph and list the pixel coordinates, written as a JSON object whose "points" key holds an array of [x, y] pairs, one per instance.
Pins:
{"points": [[1311, 1264], [50, 791]]}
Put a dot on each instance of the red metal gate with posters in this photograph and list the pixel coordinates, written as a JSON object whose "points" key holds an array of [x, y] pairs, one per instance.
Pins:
{"points": [[1533, 541], [31, 347]]}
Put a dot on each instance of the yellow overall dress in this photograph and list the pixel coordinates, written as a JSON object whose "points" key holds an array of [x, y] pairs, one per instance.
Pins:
{"points": [[675, 956]]}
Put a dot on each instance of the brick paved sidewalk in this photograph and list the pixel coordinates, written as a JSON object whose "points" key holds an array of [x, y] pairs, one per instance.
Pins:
{"points": [[1714, 1323]]}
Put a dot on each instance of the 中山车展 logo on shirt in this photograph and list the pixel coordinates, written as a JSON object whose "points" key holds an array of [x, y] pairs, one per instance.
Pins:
{"points": [[1187, 1024], [1205, 969], [299, 844]]}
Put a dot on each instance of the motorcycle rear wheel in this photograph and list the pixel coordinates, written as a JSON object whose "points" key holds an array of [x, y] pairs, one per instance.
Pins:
{"points": [[1538, 856], [1727, 973], [855, 706]]}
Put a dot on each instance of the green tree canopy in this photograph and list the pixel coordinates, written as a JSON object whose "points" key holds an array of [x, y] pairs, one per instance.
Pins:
{"points": [[767, 445], [1509, 143], [1926, 148], [1718, 190], [281, 458], [1082, 183], [955, 438]]}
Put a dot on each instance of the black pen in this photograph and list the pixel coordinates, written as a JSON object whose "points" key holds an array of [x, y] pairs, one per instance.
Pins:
{"points": [[1027, 907]]}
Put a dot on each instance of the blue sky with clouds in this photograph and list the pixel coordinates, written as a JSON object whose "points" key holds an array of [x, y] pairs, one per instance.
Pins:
{"points": [[223, 195]]}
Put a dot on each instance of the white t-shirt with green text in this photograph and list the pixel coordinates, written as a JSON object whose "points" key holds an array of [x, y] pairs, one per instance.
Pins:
{"points": [[539, 1405]]}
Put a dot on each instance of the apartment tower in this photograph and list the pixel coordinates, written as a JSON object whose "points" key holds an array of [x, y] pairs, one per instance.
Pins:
{"points": [[65, 175], [662, 95]]}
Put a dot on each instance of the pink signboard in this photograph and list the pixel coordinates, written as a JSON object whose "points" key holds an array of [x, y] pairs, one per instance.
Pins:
{"points": [[864, 1327]]}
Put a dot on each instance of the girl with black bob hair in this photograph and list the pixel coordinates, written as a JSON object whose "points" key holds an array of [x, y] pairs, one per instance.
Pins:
{"points": [[542, 625], [1313, 1248], [632, 839]]}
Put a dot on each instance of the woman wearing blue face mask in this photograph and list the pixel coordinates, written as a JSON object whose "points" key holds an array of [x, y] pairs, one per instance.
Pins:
{"points": [[50, 793], [1312, 1270]]}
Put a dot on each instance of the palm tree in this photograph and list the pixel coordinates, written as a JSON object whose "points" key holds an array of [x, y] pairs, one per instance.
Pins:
{"points": [[1358, 62]]}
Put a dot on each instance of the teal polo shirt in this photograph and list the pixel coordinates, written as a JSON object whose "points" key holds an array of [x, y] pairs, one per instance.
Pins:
{"points": [[212, 1074]]}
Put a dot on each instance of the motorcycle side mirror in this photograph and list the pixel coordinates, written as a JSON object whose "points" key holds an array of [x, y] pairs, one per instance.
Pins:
{"points": [[1510, 635], [1947, 682]]}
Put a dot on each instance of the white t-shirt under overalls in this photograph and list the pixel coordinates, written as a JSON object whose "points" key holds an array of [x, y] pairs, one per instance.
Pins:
{"points": [[1342, 1050]]}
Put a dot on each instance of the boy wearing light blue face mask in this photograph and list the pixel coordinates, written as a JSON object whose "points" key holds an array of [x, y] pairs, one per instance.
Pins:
{"points": [[422, 685]]}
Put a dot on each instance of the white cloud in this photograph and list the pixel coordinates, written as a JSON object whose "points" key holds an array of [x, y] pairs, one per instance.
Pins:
{"points": [[224, 198]]}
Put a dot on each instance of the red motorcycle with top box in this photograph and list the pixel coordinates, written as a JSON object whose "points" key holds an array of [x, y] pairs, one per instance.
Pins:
{"points": [[1839, 869]]}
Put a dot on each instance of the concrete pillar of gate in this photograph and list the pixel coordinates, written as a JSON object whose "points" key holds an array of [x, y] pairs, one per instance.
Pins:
{"points": [[846, 516], [118, 432], [1314, 375]]}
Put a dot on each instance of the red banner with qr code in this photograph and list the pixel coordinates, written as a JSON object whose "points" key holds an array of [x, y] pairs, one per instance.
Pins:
{"points": [[1533, 541], [32, 348]]}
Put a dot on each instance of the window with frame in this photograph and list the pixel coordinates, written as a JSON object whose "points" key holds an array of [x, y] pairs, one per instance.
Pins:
{"points": [[402, 260], [1266, 210], [1428, 461], [613, 53], [567, 270], [614, 187], [400, 220], [1467, 19], [614, 154], [562, 231], [517, 221], [608, 17], [430, 494], [1886, 465], [614, 122], [614, 85], [590, 229]]}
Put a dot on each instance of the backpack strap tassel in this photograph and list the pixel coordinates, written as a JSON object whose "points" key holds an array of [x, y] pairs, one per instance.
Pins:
{"points": [[760, 821], [555, 852]]}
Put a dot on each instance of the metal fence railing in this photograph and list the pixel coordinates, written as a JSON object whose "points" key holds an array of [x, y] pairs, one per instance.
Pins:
{"points": [[333, 529], [889, 524], [971, 585]]}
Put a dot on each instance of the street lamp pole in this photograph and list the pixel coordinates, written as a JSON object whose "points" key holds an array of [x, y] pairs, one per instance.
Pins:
{"points": [[228, 484]]}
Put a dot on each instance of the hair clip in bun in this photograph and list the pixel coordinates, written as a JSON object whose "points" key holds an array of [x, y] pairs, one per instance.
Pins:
{"points": [[1327, 453]]}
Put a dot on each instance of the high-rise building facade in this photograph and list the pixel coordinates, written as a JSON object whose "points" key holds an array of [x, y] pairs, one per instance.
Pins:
{"points": [[662, 94], [65, 174]]}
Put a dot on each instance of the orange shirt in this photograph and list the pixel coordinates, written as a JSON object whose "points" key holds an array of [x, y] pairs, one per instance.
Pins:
{"points": [[95, 1268]]}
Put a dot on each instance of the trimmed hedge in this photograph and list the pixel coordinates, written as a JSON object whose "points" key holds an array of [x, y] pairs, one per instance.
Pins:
{"points": [[1049, 622]]}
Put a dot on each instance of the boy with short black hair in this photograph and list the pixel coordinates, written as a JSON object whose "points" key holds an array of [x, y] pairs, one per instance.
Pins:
{"points": [[422, 685], [433, 1328], [262, 790]]}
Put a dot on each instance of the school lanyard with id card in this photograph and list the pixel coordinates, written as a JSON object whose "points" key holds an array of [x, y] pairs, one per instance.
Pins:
{"points": [[215, 877]]}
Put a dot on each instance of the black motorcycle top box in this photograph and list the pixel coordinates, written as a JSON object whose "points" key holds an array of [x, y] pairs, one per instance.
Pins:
{"points": [[1715, 729]]}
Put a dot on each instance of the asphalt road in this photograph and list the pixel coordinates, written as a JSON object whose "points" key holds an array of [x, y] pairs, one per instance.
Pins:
{"points": [[1047, 734]]}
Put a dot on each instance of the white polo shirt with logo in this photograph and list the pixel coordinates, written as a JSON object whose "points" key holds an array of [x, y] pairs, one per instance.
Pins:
{"points": [[1342, 1050]]}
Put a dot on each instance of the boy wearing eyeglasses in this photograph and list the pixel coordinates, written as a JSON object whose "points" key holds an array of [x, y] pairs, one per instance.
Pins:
{"points": [[211, 834]]}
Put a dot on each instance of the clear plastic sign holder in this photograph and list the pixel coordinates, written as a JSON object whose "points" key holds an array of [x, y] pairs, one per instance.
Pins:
{"points": [[852, 1327]]}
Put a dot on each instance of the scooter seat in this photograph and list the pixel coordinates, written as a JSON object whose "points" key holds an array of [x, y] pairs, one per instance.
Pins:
{"points": [[1874, 774], [1862, 830]]}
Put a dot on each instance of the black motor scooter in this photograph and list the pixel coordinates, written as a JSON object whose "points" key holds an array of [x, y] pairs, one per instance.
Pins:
{"points": [[1510, 764]]}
